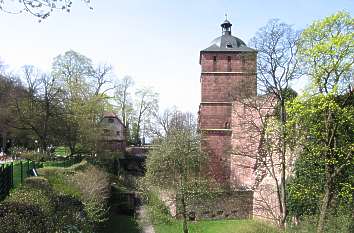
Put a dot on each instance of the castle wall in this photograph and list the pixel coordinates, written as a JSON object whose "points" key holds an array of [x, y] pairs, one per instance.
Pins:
{"points": [[218, 144], [215, 115], [226, 205], [249, 166]]}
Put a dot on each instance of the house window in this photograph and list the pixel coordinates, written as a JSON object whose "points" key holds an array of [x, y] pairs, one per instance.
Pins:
{"points": [[118, 133], [110, 120]]}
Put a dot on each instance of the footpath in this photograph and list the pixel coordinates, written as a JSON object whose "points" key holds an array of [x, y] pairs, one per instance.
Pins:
{"points": [[144, 220]]}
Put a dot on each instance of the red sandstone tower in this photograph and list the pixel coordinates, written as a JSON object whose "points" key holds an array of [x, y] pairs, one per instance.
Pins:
{"points": [[228, 72]]}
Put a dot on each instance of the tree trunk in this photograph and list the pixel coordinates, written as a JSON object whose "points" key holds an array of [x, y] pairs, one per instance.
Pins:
{"points": [[283, 206], [351, 226], [325, 204], [184, 213], [72, 148], [3, 141], [137, 133]]}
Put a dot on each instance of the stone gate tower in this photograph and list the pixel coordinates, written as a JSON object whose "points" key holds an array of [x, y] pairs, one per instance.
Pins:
{"points": [[228, 71]]}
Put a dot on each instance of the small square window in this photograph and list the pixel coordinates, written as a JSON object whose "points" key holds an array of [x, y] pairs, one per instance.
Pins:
{"points": [[118, 133]]}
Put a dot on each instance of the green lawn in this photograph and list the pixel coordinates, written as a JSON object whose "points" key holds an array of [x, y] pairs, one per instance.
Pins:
{"points": [[62, 151], [219, 226]]}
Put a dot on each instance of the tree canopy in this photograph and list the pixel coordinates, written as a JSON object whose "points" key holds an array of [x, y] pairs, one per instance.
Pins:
{"points": [[322, 119]]}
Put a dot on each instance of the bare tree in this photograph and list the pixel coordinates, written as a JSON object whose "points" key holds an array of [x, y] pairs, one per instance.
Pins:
{"points": [[145, 104], [171, 118], [277, 67], [36, 106], [102, 79], [123, 98]]}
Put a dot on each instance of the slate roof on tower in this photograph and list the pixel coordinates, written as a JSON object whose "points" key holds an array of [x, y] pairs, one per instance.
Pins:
{"points": [[227, 42]]}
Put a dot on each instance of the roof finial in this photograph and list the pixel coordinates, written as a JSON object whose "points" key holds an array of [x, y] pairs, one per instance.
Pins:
{"points": [[225, 16], [226, 27]]}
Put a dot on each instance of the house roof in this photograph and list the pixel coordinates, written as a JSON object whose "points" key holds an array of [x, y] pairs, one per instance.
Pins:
{"points": [[113, 115]]}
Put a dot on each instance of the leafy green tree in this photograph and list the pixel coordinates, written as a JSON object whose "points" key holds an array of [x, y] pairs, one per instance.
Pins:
{"points": [[326, 48], [175, 165], [84, 98]]}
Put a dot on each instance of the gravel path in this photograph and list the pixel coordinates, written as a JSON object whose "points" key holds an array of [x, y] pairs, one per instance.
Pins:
{"points": [[144, 221]]}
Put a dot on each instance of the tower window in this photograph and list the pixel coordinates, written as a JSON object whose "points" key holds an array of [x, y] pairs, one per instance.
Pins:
{"points": [[229, 64], [243, 60], [214, 63], [227, 125], [228, 45]]}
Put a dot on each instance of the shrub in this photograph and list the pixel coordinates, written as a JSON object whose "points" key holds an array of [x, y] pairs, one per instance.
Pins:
{"points": [[49, 171], [31, 207], [69, 215], [94, 187], [38, 182], [19, 217], [157, 211], [336, 222], [79, 166], [31, 196], [60, 181]]}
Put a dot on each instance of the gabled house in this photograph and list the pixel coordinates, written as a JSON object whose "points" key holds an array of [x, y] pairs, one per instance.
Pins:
{"points": [[113, 133]]}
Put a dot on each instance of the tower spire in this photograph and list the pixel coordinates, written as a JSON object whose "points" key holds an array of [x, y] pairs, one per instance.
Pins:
{"points": [[226, 26]]}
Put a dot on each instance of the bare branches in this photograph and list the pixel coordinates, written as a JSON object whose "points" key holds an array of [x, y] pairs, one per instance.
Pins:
{"points": [[102, 77], [122, 95], [41, 9], [277, 63], [164, 123]]}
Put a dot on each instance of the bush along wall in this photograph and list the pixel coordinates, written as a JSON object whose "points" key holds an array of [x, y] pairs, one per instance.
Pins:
{"points": [[72, 199], [35, 207]]}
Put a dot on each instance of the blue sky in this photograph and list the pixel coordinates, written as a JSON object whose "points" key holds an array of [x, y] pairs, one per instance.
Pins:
{"points": [[156, 42]]}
